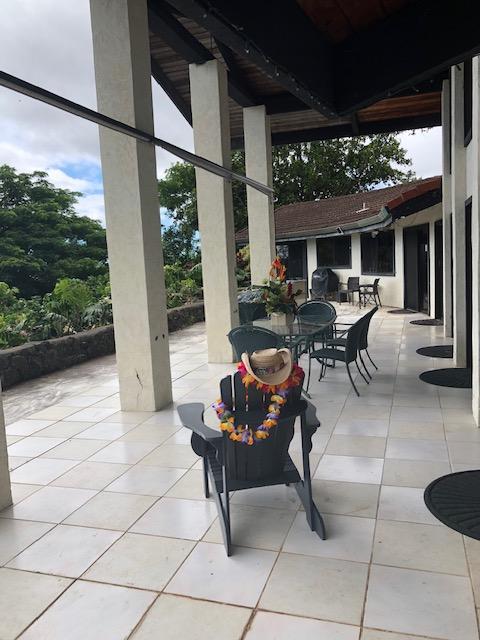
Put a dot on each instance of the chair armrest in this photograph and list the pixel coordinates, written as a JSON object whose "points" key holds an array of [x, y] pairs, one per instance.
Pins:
{"points": [[311, 421], [191, 416]]}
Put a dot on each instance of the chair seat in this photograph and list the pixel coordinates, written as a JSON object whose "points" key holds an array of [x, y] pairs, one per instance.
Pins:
{"points": [[329, 354]]}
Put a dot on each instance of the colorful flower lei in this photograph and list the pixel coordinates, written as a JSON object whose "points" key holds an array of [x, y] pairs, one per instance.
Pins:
{"points": [[248, 435]]}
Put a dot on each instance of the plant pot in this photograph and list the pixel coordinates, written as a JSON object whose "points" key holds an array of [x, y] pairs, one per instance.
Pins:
{"points": [[278, 319]]}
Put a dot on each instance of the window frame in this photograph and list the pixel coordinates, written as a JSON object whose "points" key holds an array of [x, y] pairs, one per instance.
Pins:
{"points": [[392, 273], [334, 238]]}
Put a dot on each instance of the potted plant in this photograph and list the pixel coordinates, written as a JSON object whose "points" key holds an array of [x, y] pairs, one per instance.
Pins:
{"points": [[278, 295]]}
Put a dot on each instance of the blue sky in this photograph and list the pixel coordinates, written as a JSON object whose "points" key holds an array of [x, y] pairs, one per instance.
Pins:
{"points": [[48, 42]]}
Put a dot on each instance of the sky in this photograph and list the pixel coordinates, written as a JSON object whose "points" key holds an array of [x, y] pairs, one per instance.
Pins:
{"points": [[49, 43]]}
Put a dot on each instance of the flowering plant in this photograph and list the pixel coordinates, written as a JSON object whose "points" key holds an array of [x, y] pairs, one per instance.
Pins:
{"points": [[277, 294], [248, 435]]}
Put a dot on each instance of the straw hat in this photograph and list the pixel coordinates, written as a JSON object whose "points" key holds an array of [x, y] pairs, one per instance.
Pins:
{"points": [[269, 366]]}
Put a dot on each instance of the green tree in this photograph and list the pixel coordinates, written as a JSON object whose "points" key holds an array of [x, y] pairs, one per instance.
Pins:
{"points": [[301, 172], [42, 239]]}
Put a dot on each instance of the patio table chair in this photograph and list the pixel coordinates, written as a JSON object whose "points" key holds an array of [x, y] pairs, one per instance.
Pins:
{"points": [[233, 466], [353, 287], [346, 355], [322, 311], [369, 293], [341, 341], [247, 339]]}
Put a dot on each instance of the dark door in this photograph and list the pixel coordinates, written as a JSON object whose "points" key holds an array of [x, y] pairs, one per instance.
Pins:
{"points": [[468, 280], [416, 268], [294, 257], [439, 269]]}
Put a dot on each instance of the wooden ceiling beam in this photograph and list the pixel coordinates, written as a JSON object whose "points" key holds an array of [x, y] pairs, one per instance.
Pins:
{"points": [[413, 45], [239, 91], [345, 130], [261, 32]]}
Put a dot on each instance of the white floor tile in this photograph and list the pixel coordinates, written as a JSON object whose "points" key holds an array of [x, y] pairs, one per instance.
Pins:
{"points": [[415, 449], [91, 475], [317, 588], [420, 603], [49, 504], [108, 510], [147, 481], [65, 551], [405, 504], [177, 518], [145, 562], [350, 469], [23, 597], [41, 470], [227, 577], [26, 427], [91, 611], [413, 473], [348, 538], [33, 446], [123, 452], [173, 615], [273, 626], [17, 535]]}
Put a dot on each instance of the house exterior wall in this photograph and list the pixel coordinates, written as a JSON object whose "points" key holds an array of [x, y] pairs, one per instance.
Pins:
{"points": [[391, 287]]}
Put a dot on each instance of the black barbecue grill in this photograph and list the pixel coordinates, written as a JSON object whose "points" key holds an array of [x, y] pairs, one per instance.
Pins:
{"points": [[325, 284]]}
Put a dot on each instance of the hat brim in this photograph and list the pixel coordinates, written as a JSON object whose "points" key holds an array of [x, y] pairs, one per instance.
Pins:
{"points": [[272, 379]]}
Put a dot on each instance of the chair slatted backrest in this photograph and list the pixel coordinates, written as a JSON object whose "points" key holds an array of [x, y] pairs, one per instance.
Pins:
{"points": [[354, 337], [353, 283], [320, 309], [247, 339], [363, 344], [375, 286], [266, 458]]}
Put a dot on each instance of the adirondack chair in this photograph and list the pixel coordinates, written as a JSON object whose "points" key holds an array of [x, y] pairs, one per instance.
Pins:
{"points": [[233, 466]]}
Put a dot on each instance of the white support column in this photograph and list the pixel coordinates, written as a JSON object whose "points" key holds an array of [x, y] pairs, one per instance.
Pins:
{"points": [[5, 487], [211, 133], [312, 262], [258, 165], [432, 258], [476, 241], [458, 189], [447, 212], [122, 73]]}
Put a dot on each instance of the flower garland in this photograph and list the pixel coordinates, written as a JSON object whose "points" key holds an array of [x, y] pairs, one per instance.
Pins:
{"points": [[248, 435]]}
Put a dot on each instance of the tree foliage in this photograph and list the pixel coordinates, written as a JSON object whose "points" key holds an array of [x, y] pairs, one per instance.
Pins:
{"points": [[42, 239], [301, 172]]}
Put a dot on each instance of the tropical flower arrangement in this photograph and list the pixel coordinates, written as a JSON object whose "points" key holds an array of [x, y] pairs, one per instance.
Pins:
{"points": [[248, 435], [277, 294]]}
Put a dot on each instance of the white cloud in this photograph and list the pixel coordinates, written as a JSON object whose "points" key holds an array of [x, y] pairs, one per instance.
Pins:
{"points": [[92, 205], [48, 42]]}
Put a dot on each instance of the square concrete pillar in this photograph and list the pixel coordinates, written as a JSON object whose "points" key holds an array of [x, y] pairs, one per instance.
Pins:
{"points": [[122, 74], [458, 197], [258, 165], [476, 240], [5, 487], [211, 134], [447, 212]]}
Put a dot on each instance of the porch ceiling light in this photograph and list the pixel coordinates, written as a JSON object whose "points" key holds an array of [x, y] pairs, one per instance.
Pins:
{"points": [[54, 100]]}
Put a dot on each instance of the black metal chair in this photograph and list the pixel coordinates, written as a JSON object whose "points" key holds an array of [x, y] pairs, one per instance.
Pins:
{"points": [[347, 355], [247, 339], [363, 341], [322, 311], [233, 466], [369, 293], [353, 287]]}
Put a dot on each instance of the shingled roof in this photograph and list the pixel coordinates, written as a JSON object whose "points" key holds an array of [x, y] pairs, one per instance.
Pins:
{"points": [[352, 212]]}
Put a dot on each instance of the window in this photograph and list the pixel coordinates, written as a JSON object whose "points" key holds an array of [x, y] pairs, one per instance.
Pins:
{"points": [[378, 253], [334, 252], [294, 257]]}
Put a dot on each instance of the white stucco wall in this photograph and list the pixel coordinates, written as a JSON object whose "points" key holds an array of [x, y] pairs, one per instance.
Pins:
{"points": [[391, 287]]}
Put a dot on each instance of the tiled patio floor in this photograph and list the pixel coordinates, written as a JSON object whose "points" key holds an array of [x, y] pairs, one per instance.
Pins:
{"points": [[110, 536]]}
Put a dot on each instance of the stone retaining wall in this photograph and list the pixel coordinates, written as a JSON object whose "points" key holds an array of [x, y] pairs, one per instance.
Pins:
{"points": [[35, 359]]}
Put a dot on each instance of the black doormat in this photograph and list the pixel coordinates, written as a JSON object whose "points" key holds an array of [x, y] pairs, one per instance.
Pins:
{"points": [[402, 311], [437, 351], [431, 322], [455, 378]]}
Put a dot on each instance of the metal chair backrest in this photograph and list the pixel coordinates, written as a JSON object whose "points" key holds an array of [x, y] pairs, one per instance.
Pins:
{"points": [[375, 286], [354, 336], [247, 339], [363, 344], [353, 284], [267, 458], [320, 309]]}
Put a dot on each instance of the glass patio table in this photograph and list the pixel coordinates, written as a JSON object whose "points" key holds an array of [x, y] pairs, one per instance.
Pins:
{"points": [[297, 332]]}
